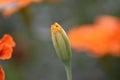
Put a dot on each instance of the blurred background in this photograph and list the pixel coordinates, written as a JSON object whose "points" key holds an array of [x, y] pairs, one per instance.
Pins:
{"points": [[34, 57]]}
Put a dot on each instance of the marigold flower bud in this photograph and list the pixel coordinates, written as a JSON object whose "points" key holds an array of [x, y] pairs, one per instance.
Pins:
{"points": [[61, 43]]}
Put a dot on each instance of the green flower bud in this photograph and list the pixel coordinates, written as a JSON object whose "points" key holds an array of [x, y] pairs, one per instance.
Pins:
{"points": [[61, 43]]}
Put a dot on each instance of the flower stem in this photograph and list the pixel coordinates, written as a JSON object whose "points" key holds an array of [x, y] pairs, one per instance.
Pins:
{"points": [[68, 71]]}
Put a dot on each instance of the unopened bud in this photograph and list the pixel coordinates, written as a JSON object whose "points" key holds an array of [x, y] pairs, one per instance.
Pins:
{"points": [[61, 43]]}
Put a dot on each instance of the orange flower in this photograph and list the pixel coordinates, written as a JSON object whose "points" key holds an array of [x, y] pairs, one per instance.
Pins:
{"points": [[9, 7], [2, 74], [99, 38], [6, 45]]}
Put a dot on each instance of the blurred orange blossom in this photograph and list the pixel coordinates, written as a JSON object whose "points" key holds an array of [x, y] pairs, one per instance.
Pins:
{"points": [[2, 75], [6, 49], [100, 38], [8, 7]]}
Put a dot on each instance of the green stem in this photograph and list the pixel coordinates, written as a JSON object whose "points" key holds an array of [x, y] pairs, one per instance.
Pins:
{"points": [[68, 71]]}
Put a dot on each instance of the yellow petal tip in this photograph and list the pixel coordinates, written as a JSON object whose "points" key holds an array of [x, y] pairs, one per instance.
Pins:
{"points": [[55, 27]]}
